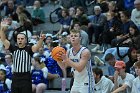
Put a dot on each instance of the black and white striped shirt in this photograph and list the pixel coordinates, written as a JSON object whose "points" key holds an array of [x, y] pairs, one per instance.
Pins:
{"points": [[21, 58]]}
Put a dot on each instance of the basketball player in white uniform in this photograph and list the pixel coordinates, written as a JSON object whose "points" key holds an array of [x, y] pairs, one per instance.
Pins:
{"points": [[78, 58]]}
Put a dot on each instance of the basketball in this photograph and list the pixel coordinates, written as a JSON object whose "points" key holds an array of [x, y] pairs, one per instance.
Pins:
{"points": [[56, 51]]}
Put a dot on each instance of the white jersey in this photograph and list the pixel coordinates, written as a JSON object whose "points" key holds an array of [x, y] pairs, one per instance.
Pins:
{"points": [[105, 85], [136, 85], [128, 81], [85, 77]]}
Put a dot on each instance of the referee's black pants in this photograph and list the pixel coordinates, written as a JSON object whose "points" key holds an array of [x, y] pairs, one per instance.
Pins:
{"points": [[21, 83]]}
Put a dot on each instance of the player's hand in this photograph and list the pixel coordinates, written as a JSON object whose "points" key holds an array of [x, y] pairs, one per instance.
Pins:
{"points": [[65, 58]]}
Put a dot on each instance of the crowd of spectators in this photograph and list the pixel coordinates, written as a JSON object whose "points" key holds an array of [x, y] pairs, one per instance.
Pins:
{"points": [[113, 25]]}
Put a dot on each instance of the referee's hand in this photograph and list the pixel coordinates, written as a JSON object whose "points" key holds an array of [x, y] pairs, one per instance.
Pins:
{"points": [[42, 36]]}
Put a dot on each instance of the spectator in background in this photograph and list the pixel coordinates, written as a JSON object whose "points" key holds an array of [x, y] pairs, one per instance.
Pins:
{"points": [[9, 65], [111, 60], [63, 42], [48, 41], [132, 55], [81, 16], [122, 80], [51, 64], [11, 10], [38, 15], [12, 26], [136, 81], [135, 14], [123, 32], [102, 83], [39, 75], [24, 21], [138, 55], [84, 35], [65, 21], [5, 82], [96, 25], [111, 28], [103, 4], [72, 12]]}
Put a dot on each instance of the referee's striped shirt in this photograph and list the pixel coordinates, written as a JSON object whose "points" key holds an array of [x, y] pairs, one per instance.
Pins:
{"points": [[21, 58]]}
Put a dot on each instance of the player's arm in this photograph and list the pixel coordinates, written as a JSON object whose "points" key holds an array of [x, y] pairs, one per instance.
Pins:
{"points": [[6, 43], [79, 66], [39, 43]]}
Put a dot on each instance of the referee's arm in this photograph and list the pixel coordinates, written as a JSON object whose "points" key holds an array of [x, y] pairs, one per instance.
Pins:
{"points": [[39, 43], [6, 43]]}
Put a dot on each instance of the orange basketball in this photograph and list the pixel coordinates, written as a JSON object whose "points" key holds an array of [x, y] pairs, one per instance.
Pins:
{"points": [[56, 51]]}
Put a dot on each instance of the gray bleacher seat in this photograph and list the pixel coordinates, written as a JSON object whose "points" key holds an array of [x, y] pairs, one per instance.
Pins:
{"points": [[55, 86], [56, 83]]}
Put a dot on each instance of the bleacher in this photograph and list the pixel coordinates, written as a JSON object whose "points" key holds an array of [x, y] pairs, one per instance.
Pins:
{"points": [[46, 27], [55, 86]]}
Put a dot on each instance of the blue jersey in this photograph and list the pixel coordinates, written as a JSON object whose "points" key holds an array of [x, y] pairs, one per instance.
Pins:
{"points": [[9, 72], [37, 77], [52, 66], [4, 88]]}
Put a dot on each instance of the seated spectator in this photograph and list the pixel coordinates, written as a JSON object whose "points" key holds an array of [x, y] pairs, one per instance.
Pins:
{"points": [[24, 21], [138, 55], [111, 28], [122, 80], [52, 65], [136, 81], [65, 22], [38, 15], [135, 13], [9, 66], [132, 55], [5, 84], [96, 24], [39, 76], [111, 60], [48, 40], [2, 64], [12, 25], [84, 35], [11, 10], [102, 83], [122, 51], [63, 42], [125, 28]]}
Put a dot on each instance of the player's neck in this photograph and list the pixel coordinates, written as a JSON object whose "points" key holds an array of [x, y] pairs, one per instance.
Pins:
{"points": [[76, 48]]}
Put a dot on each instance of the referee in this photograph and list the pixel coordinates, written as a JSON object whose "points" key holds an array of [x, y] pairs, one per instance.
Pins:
{"points": [[22, 54]]}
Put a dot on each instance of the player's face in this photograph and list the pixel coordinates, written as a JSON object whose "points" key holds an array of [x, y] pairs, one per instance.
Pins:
{"points": [[137, 70], [21, 40], [75, 38]]}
